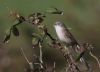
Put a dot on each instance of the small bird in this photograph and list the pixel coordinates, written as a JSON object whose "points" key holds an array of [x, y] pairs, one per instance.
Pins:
{"points": [[64, 35]]}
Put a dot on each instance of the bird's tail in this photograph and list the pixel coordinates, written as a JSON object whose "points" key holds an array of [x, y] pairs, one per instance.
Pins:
{"points": [[80, 57]]}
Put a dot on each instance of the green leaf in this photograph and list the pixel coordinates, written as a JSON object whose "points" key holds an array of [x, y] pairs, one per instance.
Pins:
{"points": [[35, 41], [7, 37], [15, 31]]}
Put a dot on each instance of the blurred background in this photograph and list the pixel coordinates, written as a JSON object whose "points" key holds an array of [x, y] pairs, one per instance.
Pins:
{"points": [[83, 16]]}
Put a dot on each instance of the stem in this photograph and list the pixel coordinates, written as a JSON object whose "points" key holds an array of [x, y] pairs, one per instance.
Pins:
{"points": [[30, 63], [54, 66], [25, 56], [95, 58], [40, 52], [50, 36]]}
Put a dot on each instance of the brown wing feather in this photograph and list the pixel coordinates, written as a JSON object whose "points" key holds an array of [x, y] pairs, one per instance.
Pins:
{"points": [[69, 35]]}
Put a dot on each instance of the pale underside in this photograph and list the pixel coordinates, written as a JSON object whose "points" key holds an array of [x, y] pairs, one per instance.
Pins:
{"points": [[61, 33]]}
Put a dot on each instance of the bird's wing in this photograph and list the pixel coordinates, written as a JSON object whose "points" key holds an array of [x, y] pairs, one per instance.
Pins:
{"points": [[69, 35]]}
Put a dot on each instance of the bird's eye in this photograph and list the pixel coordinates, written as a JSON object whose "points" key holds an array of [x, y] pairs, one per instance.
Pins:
{"points": [[58, 23]]}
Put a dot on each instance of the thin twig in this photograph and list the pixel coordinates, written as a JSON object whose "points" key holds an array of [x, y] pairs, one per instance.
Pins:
{"points": [[40, 53], [54, 66], [30, 63], [95, 58], [47, 33], [50, 36], [25, 56], [40, 58]]}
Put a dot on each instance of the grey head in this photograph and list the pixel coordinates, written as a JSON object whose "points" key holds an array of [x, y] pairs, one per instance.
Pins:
{"points": [[59, 23]]}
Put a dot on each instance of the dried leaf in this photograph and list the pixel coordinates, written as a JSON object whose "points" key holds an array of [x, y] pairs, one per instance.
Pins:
{"points": [[15, 31], [38, 13], [21, 19], [7, 37], [80, 56], [55, 11]]}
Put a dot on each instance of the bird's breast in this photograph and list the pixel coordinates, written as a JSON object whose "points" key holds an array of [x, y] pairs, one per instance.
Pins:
{"points": [[61, 34]]}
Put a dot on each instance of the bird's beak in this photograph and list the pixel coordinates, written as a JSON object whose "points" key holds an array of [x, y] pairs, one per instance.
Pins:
{"points": [[54, 25]]}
